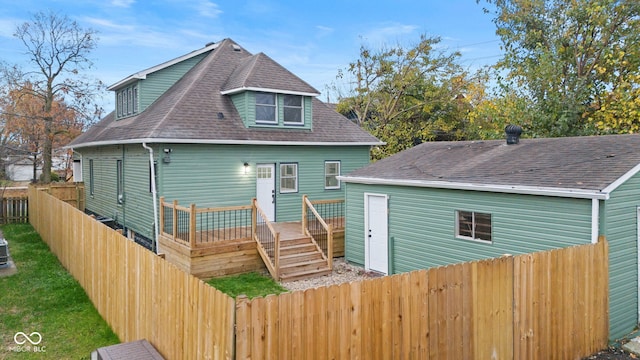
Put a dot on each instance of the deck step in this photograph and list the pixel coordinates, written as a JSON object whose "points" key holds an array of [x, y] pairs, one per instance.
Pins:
{"points": [[300, 258], [303, 266], [296, 241], [301, 275], [297, 249]]}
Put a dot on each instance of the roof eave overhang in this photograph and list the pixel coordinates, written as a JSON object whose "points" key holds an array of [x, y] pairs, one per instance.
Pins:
{"points": [[270, 90], [511, 189], [220, 142]]}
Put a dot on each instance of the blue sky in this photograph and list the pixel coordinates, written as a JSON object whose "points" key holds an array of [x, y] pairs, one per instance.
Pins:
{"points": [[313, 39]]}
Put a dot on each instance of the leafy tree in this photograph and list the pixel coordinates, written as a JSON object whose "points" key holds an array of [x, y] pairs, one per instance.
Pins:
{"points": [[575, 62], [24, 127], [405, 96], [58, 49]]}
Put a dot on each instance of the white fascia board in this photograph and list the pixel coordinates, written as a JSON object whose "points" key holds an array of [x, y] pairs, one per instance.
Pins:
{"points": [[269, 90], [622, 179], [217, 142], [511, 189], [141, 75]]}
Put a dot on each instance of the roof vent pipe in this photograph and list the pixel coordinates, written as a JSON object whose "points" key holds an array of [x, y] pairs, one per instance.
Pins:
{"points": [[513, 134]]}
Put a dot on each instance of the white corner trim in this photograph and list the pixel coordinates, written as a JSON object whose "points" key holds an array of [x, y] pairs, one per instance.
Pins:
{"points": [[595, 220]]}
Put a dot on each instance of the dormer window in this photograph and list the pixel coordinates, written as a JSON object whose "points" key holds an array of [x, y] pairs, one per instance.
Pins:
{"points": [[127, 102], [293, 109], [266, 108]]}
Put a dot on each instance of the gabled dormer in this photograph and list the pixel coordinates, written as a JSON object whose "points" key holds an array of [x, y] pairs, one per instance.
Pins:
{"points": [[267, 95], [136, 92]]}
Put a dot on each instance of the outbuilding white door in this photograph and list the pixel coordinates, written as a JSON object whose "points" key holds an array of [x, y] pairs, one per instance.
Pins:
{"points": [[266, 189], [376, 233]]}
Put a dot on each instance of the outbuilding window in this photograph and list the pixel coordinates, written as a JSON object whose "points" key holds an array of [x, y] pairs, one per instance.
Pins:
{"points": [[473, 225]]}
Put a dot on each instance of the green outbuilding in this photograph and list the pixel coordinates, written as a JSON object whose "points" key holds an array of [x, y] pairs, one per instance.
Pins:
{"points": [[441, 203]]}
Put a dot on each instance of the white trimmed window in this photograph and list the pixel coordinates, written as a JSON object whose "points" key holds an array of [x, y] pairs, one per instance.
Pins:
{"points": [[293, 109], [127, 102], [331, 172], [288, 178], [266, 108], [473, 225]]}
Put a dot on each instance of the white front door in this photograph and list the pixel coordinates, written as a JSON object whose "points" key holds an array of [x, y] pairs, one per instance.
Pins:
{"points": [[266, 189], [376, 233]]}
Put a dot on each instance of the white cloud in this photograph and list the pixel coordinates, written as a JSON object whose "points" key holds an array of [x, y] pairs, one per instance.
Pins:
{"points": [[388, 34], [122, 3], [208, 9], [324, 30]]}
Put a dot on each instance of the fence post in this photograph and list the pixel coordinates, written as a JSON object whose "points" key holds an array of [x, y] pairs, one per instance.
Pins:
{"points": [[174, 233], [330, 246], [254, 218], [277, 256], [192, 226], [304, 213], [161, 220]]}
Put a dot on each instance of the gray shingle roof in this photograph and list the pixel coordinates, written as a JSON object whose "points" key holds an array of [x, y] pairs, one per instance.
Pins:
{"points": [[188, 111], [586, 163]]}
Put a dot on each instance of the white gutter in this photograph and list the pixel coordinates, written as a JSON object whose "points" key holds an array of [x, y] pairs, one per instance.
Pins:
{"points": [[250, 88], [511, 189], [595, 220], [222, 142], [154, 193]]}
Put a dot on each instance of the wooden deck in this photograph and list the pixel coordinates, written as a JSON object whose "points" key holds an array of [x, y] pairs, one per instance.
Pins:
{"points": [[213, 242]]}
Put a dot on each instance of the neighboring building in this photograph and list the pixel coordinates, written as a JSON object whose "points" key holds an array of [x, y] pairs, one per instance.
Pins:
{"points": [[20, 168], [221, 127], [448, 202]]}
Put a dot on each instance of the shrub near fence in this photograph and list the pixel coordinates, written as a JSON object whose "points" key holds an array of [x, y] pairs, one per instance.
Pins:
{"points": [[139, 294]]}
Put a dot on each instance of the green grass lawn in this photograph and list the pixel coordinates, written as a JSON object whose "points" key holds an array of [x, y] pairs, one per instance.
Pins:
{"points": [[42, 297], [251, 284]]}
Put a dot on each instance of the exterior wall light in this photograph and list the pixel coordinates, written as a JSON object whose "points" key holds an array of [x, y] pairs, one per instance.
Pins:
{"points": [[246, 168]]}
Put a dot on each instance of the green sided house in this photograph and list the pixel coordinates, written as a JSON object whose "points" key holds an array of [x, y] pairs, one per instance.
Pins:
{"points": [[447, 202], [194, 140]]}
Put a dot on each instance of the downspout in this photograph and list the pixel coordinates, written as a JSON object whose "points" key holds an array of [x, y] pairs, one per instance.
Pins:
{"points": [[154, 193]]}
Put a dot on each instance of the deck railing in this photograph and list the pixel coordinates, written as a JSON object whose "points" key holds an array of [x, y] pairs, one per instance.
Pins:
{"points": [[201, 227], [315, 225], [267, 239]]}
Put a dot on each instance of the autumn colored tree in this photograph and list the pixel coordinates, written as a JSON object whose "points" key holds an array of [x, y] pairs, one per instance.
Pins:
{"points": [[58, 49], [25, 128], [575, 63], [407, 95]]}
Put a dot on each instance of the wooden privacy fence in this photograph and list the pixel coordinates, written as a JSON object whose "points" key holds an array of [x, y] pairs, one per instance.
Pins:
{"points": [[535, 306], [139, 294], [14, 210]]}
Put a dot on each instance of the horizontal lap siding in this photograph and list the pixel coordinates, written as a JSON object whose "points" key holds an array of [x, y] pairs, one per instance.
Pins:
{"points": [[422, 224], [213, 176], [620, 226], [138, 204], [104, 201], [158, 82]]}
